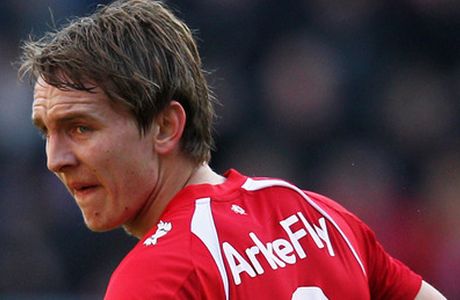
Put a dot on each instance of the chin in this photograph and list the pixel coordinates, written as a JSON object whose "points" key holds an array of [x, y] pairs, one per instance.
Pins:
{"points": [[99, 228], [97, 224]]}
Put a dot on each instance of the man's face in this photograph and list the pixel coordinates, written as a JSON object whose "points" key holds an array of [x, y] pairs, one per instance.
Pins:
{"points": [[95, 149]]}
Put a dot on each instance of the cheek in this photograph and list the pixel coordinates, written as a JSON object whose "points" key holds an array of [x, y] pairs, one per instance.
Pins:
{"points": [[133, 172], [126, 165]]}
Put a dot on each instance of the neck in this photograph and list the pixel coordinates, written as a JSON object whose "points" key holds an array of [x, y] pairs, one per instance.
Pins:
{"points": [[204, 174], [171, 179]]}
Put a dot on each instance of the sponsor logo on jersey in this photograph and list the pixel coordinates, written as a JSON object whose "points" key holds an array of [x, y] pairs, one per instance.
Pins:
{"points": [[280, 252], [162, 229]]}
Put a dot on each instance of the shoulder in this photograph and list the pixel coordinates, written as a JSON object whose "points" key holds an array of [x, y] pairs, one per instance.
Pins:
{"points": [[277, 189], [167, 263], [332, 206], [388, 277], [357, 231], [329, 203], [158, 265]]}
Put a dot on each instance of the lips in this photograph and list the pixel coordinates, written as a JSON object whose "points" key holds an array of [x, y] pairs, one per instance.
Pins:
{"points": [[81, 188]]}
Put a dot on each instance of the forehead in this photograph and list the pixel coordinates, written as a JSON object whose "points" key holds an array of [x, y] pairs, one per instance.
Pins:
{"points": [[51, 102], [44, 92]]}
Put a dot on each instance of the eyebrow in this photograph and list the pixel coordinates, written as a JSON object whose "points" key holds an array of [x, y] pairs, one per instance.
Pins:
{"points": [[68, 118], [38, 123]]}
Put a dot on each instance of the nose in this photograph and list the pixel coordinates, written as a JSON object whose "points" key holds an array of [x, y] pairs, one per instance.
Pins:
{"points": [[59, 154]]}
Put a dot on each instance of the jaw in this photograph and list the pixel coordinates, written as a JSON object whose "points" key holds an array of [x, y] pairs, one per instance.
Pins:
{"points": [[97, 222]]}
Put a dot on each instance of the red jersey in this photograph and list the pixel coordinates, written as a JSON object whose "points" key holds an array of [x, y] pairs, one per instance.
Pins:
{"points": [[259, 238]]}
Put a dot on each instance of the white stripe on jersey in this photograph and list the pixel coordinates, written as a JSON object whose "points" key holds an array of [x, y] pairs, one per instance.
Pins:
{"points": [[204, 228], [254, 185]]}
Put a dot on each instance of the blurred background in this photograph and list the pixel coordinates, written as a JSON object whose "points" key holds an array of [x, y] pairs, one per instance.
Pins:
{"points": [[357, 100]]}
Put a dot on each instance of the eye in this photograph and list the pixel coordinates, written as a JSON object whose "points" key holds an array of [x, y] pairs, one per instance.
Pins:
{"points": [[81, 129]]}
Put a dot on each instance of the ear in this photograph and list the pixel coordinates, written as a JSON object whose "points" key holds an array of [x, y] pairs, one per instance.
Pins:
{"points": [[170, 124]]}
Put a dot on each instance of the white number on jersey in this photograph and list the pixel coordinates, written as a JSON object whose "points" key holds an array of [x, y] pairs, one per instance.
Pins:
{"points": [[309, 293]]}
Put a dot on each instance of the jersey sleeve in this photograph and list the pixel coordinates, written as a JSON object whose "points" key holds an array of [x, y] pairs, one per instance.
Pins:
{"points": [[388, 277]]}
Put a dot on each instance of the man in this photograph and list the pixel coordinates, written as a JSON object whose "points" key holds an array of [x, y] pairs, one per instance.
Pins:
{"points": [[123, 104]]}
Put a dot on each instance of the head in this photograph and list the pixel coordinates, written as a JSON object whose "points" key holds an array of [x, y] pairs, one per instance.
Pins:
{"points": [[140, 55], [114, 92]]}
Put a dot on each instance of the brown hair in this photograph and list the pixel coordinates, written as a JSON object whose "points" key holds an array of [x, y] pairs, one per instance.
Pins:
{"points": [[140, 54]]}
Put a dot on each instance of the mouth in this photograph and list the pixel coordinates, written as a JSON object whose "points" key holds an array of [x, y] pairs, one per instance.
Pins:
{"points": [[79, 190], [85, 188]]}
